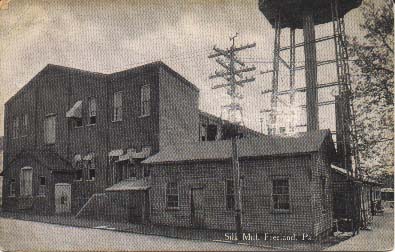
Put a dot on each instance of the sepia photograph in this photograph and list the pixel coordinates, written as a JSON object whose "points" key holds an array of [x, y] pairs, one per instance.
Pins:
{"points": [[197, 125]]}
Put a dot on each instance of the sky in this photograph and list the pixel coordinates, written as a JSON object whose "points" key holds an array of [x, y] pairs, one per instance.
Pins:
{"points": [[110, 36]]}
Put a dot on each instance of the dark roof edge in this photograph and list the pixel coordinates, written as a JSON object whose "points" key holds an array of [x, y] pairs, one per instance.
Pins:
{"points": [[42, 71], [157, 64], [226, 159]]}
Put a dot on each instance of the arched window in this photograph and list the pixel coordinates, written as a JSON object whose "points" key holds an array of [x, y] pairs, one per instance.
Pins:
{"points": [[26, 183]]}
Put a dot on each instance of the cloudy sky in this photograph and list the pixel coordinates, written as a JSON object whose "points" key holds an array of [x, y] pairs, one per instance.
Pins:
{"points": [[108, 36]]}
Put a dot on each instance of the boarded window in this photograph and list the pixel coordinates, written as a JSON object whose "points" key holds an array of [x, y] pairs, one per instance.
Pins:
{"points": [[117, 115], [50, 129], [145, 100], [92, 110], [172, 194], [230, 195], [25, 124], [281, 194], [43, 186], [15, 128], [26, 181], [12, 187]]}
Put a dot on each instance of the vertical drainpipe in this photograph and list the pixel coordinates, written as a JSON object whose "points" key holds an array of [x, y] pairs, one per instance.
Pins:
{"points": [[68, 155], [107, 81]]}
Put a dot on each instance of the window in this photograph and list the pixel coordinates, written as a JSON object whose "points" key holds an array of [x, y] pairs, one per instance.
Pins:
{"points": [[25, 124], [12, 188], [78, 174], [282, 130], [230, 195], [211, 132], [117, 107], [26, 181], [132, 171], [91, 170], [172, 194], [15, 127], [271, 131], [145, 100], [280, 194], [323, 192], [77, 122], [43, 185], [146, 172], [92, 110], [50, 129]]}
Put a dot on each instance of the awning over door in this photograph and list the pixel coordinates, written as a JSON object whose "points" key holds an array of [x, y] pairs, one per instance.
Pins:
{"points": [[130, 185], [75, 111]]}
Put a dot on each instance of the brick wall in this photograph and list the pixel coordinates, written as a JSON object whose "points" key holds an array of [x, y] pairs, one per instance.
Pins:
{"points": [[257, 206], [179, 114]]}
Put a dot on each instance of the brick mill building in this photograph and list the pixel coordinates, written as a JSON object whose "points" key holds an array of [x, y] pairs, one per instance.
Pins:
{"points": [[86, 131], [133, 146]]}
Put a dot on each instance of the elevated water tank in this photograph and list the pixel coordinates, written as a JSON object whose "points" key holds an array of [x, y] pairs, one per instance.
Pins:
{"points": [[293, 11]]}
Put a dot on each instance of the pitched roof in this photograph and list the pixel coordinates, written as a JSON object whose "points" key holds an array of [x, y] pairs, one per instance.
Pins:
{"points": [[248, 147], [130, 185], [51, 160]]}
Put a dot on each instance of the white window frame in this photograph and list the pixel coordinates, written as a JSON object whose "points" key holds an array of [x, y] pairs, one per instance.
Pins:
{"points": [[117, 107], [23, 191], [25, 124], [168, 194], [42, 189], [92, 110], [278, 194], [145, 100], [15, 127], [91, 166], [48, 139]]}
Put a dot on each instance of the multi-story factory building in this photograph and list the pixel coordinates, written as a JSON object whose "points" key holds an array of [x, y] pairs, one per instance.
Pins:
{"points": [[71, 133]]}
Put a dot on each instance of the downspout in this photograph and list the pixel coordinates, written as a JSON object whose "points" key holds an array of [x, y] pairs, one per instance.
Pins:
{"points": [[107, 130]]}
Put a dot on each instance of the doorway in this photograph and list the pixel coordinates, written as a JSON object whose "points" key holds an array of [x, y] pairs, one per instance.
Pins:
{"points": [[62, 198], [197, 207]]}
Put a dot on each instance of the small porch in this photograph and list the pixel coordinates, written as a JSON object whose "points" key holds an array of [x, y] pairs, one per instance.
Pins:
{"points": [[126, 201]]}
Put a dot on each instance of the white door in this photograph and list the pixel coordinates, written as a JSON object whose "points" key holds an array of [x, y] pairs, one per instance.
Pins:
{"points": [[62, 198], [26, 185]]}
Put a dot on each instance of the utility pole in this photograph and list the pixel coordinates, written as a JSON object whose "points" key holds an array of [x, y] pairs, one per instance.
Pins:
{"points": [[233, 74]]}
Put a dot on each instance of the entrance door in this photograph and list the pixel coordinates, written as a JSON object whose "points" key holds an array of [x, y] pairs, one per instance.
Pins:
{"points": [[197, 207], [62, 198]]}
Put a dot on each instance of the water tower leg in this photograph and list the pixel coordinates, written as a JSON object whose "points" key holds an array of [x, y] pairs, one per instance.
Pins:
{"points": [[310, 72]]}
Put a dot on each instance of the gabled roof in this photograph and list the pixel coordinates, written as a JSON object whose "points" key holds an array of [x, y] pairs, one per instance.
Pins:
{"points": [[51, 160], [248, 147]]}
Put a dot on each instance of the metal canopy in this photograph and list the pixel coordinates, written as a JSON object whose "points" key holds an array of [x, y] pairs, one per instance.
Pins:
{"points": [[291, 11]]}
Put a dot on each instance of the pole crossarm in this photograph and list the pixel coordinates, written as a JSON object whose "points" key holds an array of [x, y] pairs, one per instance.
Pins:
{"points": [[237, 72], [239, 83]]}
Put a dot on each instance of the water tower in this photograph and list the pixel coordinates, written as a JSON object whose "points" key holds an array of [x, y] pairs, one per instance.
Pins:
{"points": [[305, 15]]}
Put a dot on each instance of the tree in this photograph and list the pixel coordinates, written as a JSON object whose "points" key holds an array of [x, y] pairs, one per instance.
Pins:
{"points": [[373, 77]]}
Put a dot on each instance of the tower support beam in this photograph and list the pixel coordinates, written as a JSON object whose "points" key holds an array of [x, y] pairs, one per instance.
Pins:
{"points": [[310, 72]]}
